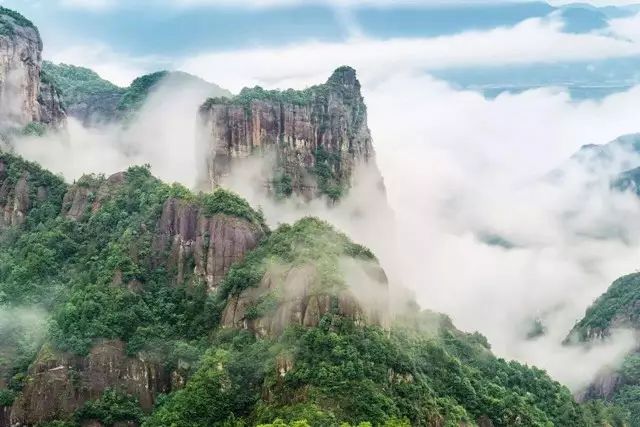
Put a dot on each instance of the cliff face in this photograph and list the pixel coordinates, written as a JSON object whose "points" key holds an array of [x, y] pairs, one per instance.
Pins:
{"points": [[316, 136], [50, 107], [297, 299], [302, 273], [190, 238], [58, 383], [194, 245], [23, 98], [87, 195]]}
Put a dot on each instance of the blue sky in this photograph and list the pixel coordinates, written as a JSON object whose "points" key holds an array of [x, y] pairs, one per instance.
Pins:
{"points": [[123, 39]]}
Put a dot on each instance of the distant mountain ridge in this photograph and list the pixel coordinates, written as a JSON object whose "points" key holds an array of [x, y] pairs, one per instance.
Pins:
{"points": [[94, 100]]}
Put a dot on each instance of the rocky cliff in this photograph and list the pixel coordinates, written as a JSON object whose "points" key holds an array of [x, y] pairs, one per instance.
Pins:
{"points": [[315, 137], [194, 245], [23, 97], [288, 296], [88, 193], [59, 384]]}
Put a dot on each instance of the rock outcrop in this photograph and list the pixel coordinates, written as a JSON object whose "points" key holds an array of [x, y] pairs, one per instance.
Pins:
{"points": [[193, 245], [22, 186], [603, 387], [23, 97], [298, 275], [294, 296], [58, 383], [88, 194], [316, 137], [51, 110], [14, 200]]}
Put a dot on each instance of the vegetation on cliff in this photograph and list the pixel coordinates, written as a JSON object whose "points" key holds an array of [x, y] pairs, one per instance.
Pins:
{"points": [[79, 84], [9, 18], [340, 372], [619, 307], [620, 303], [85, 92]]}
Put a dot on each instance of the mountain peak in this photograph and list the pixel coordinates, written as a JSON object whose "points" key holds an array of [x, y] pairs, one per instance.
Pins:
{"points": [[345, 76]]}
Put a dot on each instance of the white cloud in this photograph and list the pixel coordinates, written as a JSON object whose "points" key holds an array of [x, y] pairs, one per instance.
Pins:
{"points": [[532, 41], [537, 40]]}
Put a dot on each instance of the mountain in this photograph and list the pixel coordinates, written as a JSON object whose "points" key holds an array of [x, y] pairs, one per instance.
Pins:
{"points": [[136, 301], [126, 301], [93, 100], [26, 96], [315, 137], [618, 307], [613, 163], [628, 181], [86, 96]]}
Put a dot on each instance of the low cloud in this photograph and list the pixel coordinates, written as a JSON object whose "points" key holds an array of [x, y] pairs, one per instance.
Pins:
{"points": [[162, 134], [532, 41]]}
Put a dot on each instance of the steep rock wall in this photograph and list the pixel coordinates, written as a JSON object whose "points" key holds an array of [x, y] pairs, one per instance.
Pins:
{"points": [[87, 195], [316, 137], [294, 296], [23, 98], [58, 383], [192, 244]]}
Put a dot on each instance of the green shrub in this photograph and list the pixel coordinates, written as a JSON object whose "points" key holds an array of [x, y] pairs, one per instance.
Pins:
{"points": [[112, 407], [222, 201], [7, 397]]}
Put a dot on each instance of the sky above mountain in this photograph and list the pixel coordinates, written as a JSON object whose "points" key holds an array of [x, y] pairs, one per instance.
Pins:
{"points": [[490, 45]]}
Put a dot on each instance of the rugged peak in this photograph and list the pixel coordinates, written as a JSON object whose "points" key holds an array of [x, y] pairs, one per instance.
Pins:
{"points": [[311, 140], [13, 23], [199, 239], [87, 194], [346, 77], [300, 273], [24, 98]]}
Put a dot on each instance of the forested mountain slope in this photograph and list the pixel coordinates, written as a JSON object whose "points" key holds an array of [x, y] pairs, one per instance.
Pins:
{"points": [[133, 300], [94, 100], [619, 307]]}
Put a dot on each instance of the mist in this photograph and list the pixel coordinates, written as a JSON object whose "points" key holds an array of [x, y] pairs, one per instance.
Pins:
{"points": [[470, 223], [162, 134]]}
